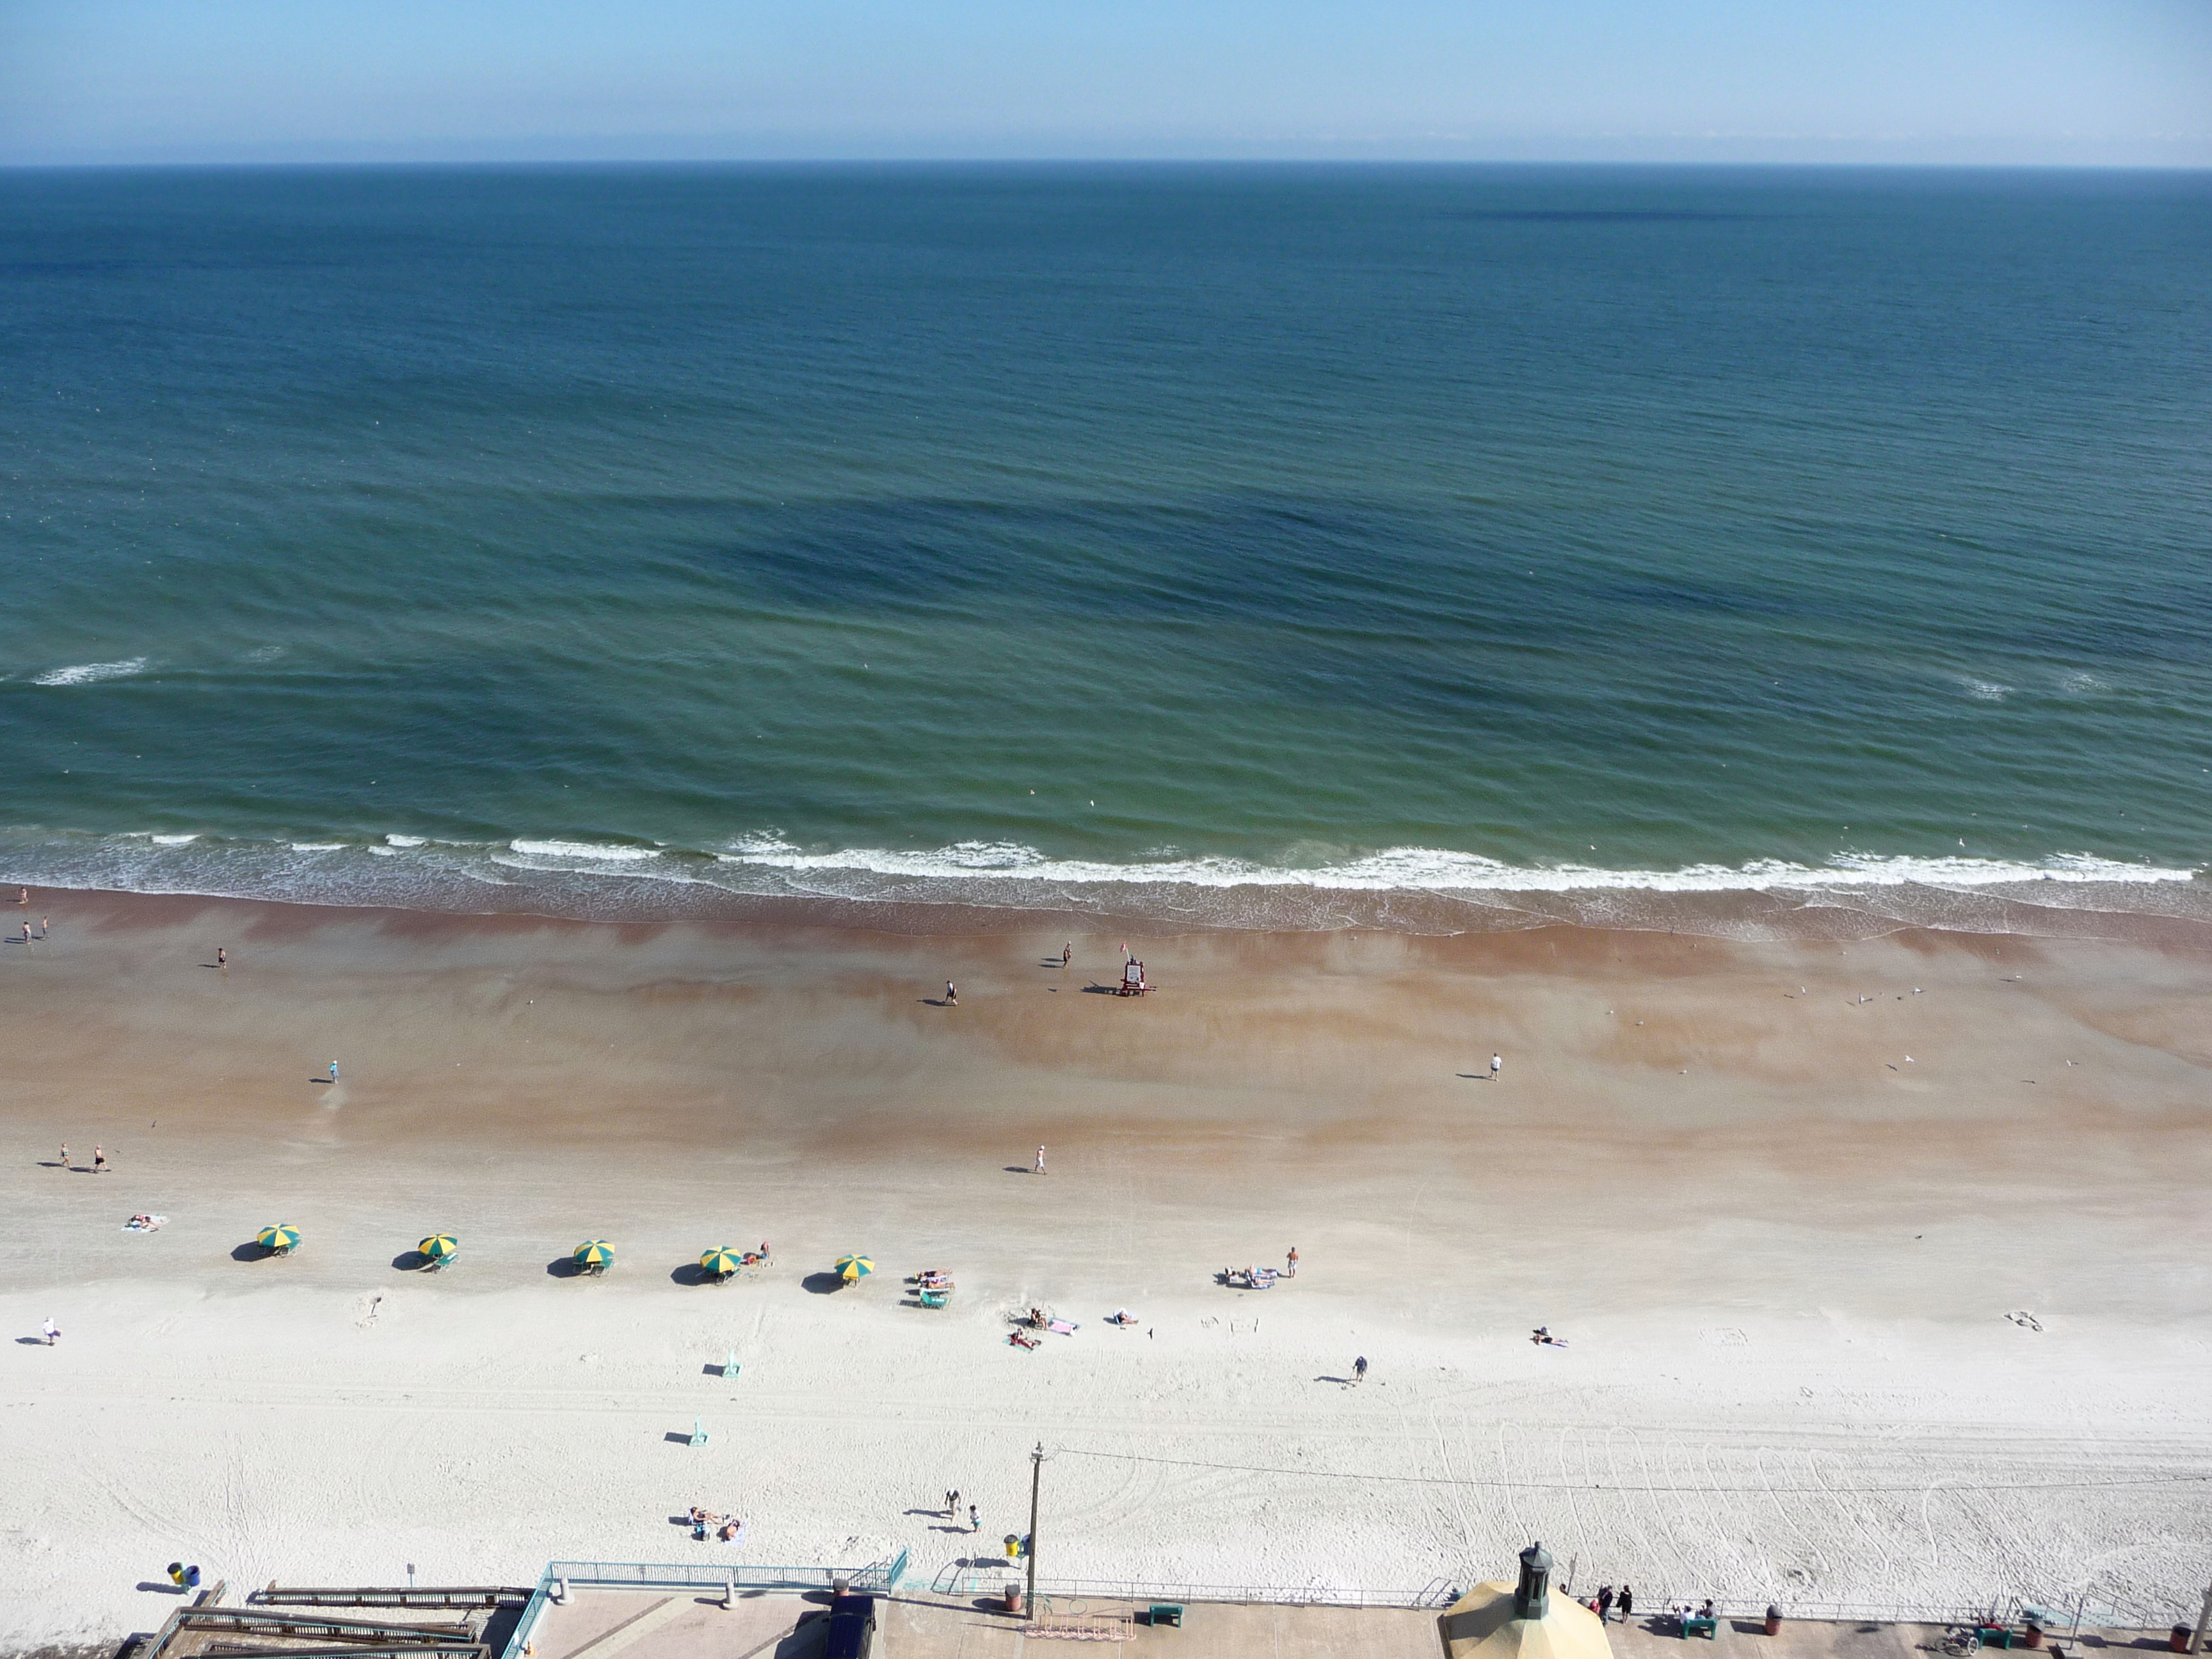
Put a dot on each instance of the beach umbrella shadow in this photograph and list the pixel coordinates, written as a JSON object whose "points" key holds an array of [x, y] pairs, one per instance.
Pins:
{"points": [[565, 1267], [409, 1261], [822, 1284], [692, 1273]]}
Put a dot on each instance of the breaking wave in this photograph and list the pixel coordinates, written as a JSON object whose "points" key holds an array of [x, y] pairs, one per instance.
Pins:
{"points": [[996, 883], [88, 673]]}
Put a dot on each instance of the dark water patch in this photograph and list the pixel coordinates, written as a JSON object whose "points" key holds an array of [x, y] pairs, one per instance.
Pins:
{"points": [[1604, 216]]}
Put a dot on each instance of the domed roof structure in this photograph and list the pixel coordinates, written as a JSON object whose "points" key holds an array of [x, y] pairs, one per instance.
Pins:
{"points": [[1498, 1621]]}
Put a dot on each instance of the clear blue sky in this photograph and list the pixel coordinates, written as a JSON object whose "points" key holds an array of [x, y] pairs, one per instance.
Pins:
{"points": [[2126, 81]]}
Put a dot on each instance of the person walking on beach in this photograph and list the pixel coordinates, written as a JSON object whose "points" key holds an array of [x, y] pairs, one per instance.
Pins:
{"points": [[1067, 954], [1604, 1602], [1040, 1162], [52, 1331], [974, 1519], [65, 1162], [221, 958], [45, 927], [1360, 1369], [1496, 1062], [1627, 1603], [951, 995], [99, 1162], [1290, 1263], [334, 1071]]}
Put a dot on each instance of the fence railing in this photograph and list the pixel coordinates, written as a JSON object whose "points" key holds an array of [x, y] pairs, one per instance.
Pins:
{"points": [[1652, 1604], [2071, 1614], [875, 1578], [958, 1581]]}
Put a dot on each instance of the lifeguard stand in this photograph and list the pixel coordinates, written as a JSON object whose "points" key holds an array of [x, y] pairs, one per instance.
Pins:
{"points": [[1133, 983]]}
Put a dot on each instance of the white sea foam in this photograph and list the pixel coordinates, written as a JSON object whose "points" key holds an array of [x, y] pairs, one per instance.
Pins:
{"points": [[87, 673], [1425, 869], [1987, 690], [582, 850], [406, 841], [1421, 890]]}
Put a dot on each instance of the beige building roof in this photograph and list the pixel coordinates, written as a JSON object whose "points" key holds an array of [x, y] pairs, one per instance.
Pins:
{"points": [[1480, 1625]]}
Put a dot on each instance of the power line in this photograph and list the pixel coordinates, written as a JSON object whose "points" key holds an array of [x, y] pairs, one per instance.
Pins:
{"points": [[1600, 1485]]}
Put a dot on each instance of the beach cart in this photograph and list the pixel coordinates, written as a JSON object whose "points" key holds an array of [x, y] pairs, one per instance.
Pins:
{"points": [[594, 1256], [279, 1240], [438, 1250]]}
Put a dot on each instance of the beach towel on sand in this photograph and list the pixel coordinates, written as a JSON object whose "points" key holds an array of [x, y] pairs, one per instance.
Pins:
{"points": [[1066, 1327]]}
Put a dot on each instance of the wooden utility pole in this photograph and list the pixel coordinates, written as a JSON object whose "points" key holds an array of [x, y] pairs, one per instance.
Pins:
{"points": [[1036, 1474]]}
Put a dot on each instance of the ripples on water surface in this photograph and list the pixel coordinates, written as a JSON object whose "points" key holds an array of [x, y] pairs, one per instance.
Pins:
{"points": [[1262, 546]]}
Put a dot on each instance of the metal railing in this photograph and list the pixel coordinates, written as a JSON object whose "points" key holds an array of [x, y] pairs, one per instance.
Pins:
{"points": [[2071, 1614], [1657, 1603], [471, 1596], [875, 1578], [958, 1581]]}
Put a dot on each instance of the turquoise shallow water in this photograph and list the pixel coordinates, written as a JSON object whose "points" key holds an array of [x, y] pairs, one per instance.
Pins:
{"points": [[1254, 545]]}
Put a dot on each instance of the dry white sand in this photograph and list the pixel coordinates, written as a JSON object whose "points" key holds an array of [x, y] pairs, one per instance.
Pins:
{"points": [[1783, 1255]]}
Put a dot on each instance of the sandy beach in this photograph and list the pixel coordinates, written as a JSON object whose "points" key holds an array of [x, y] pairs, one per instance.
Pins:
{"points": [[1881, 1264]]}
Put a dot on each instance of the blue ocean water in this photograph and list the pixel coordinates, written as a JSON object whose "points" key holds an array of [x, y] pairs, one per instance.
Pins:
{"points": [[1448, 545]]}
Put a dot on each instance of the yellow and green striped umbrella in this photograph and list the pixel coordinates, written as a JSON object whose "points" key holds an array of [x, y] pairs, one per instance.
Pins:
{"points": [[594, 1253], [723, 1260], [850, 1268], [278, 1238], [439, 1246]]}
